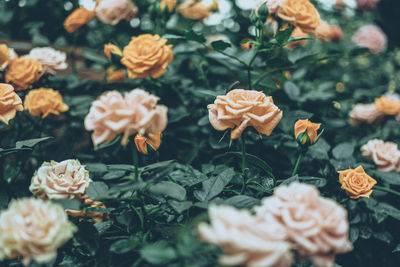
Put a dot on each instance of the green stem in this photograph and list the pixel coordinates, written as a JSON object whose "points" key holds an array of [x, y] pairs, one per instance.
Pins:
{"points": [[381, 188], [243, 149], [135, 157], [296, 167]]}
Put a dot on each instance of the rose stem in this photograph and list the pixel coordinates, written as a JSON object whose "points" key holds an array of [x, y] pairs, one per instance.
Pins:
{"points": [[243, 149], [296, 167], [135, 157], [381, 188]]}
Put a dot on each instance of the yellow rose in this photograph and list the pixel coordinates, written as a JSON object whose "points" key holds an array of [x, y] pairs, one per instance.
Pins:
{"points": [[194, 10], [300, 13], [78, 18], [22, 72], [4, 54], [242, 108], [306, 125], [44, 102], [111, 49], [356, 182], [387, 105], [147, 55], [154, 140], [10, 103], [115, 76], [170, 4]]}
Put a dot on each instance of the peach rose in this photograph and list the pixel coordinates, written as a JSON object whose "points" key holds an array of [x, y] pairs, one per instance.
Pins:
{"points": [[78, 18], [10, 103], [364, 113], [8, 58], [194, 10], [111, 49], [147, 55], [112, 114], [60, 180], [297, 33], [4, 54], [372, 37], [153, 140], [246, 240], [388, 105], [336, 33], [328, 33], [44, 101], [356, 182], [22, 72], [305, 125], [33, 229], [300, 13], [95, 216], [367, 5], [115, 76], [242, 108], [51, 60], [385, 155], [317, 226], [113, 11], [170, 4]]}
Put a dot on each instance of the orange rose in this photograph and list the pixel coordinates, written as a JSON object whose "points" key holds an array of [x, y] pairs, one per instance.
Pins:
{"points": [[356, 182], [22, 72], [78, 18], [96, 216], [115, 76], [328, 33], [4, 54], [10, 103], [297, 33], [170, 4], [111, 49], [246, 46], [44, 102], [300, 13], [387, 105], [141, 142], [305, 125], [194, 10], [242, 108], [147, 55]]}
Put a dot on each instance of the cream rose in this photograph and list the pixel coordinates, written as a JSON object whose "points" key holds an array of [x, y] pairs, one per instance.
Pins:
{"points": [[242, 108], [112, 11], [364, 113], [385, 155], [112, 114], [10, 103], [317, 226], [52, 60], [60, 180], [246, 240], [33, 229]]}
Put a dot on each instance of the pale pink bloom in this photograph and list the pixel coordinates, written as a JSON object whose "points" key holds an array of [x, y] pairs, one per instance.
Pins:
{"points": [[112, 11], [245, 239], [317, 226], [372, 37], [60, 180], [273, 5], [364, 113], [367, 5], [385, 155], [51, 60], [33, 229], [113, 114]]}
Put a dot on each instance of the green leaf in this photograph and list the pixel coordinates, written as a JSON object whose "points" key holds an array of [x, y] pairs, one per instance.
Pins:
{"points": [[93, 56], [317, 181], [114, 175], [158, 253], [124, 245], [197, 37], [97, 190], [343, 151], [188, 176], [256, 161], [214, 186], [396, 249], [72, 204], [283, 36], [243, 202], [388, 177], [358, 51], [169, 189], [292, 91], [31, 142], [3, 198], [220, 45], [96, 167], [180, 207]]}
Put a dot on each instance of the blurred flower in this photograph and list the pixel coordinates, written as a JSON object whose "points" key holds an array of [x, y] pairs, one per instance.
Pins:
{"points": [[22, 72], [336, 33], [385, 155], [297, 33], [317, 226], [387, 105], [367, 5], [245, 239], [6, 58], [372, 37], [112, 11], [246, 46], [309, 127], [10, 103], [33, 229], [78, 18], [272, 5], [356, 182], [170, 4], [111, 49], [364, 113], [51, 60], [328, 33], [115, 76], [339, 4], [300, 13], [44, 101], [153, 140], [112, 114], [95, 216], [242, 108], [147, 55], [195, 10], [60, 180]]}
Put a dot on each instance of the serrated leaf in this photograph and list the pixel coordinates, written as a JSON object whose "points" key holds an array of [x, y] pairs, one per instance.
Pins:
{"points": [[169, 189], [343, 151], [97, 190], [214, 186], [242, 202], [256, 161]]}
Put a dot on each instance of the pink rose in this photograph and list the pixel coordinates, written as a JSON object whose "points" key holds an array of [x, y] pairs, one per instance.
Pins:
{"points": [[112, 11], [385, 155], [372, 37], [52, 60], [364, 113]]}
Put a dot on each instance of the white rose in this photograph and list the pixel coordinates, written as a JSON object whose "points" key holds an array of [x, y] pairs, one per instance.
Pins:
{"points": [[112, 11], [52, 60]]}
